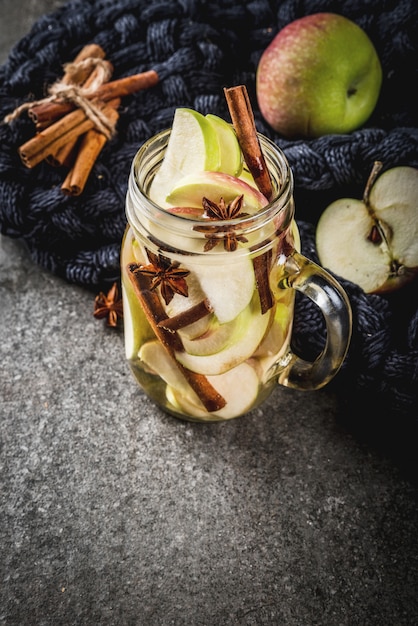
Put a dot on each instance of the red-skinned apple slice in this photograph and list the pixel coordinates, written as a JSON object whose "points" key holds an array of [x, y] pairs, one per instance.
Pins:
{"points": [[191, 212], [190, 190]]}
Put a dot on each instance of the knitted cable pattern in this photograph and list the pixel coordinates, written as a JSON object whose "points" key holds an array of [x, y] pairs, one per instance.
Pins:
{"points": [[198, 47]]}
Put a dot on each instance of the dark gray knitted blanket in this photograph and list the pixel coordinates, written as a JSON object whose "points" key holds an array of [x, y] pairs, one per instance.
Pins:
{"points": [[198, 47]]}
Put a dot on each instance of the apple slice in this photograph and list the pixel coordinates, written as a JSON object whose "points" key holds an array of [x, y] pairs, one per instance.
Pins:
{"points": [[239, 387], [155, 357], [190, 212], [180, 304], [190, 190], [136, 328], [231, 154], [218, 336], [193, 146], [243, 343], [228, 289], [374, 242]]}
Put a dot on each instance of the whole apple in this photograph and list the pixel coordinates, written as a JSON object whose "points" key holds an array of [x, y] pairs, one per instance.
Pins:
{"points": [[320, 75]]}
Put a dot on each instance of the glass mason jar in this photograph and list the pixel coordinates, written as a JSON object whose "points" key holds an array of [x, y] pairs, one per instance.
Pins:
{"points": [[208, 304]]}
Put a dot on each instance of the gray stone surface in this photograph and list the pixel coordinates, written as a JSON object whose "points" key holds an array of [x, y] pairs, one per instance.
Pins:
{"points": [[113, 513]]}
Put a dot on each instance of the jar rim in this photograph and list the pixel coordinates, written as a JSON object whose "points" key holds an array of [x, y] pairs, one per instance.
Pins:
{"points": [[140, 207]]}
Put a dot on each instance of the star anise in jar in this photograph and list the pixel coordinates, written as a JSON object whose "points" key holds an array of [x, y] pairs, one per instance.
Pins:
{"points": [[222, 211], [109, 306], [164, 273]]}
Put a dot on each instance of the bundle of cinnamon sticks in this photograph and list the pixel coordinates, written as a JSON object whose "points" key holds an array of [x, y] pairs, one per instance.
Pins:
{"points": [[74, 122]]}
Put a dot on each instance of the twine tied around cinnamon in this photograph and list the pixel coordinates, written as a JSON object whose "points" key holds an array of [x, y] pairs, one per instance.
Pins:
{"points": [[70, 89]]}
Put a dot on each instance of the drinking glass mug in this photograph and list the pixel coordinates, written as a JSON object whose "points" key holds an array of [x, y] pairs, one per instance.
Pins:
{"points": [[208, 304]]}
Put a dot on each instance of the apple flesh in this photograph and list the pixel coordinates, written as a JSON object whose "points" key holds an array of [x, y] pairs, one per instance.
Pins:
{"points": [[239, 387], [196, 143], [192, 146], [320, 75], [374, 242], [248, 332], [191, 189]]}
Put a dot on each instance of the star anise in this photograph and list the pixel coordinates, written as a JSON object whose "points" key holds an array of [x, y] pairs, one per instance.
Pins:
{"points": [[222, 211], [109, 306], [166, 274]]}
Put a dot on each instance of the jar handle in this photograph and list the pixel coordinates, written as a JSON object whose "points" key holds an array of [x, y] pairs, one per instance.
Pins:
{"points": [[319, 286]]}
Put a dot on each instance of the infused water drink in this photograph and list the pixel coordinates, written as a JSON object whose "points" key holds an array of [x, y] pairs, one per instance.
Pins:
{"points": [[210, 268]]}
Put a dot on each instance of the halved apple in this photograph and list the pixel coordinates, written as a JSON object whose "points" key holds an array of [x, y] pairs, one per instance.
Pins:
{"points": [[193, 146], [373, 242], [190, 190]]}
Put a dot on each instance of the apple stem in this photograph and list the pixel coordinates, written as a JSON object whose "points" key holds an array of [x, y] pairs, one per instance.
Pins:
{"points": [[377, 166]]}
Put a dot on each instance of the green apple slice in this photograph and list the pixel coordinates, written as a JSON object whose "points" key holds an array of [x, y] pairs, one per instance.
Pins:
{"points": [[155, 357], [190, 190], [136, 328], [193, 146], [239, 387], [217, 336], [242, 344], [231, 154]]}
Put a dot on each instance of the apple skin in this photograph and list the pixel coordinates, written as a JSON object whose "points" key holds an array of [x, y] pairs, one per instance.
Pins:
{"points": [[320, 75]]}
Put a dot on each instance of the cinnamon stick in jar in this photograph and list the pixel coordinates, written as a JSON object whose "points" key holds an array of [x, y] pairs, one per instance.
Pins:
{"points": [[243, 121], [170, 340]]}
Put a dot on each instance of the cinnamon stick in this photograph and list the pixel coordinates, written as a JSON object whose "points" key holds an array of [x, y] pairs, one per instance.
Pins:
{"points": [[90, 51], [50, 139], [90, 147], [79, 76], [171, 341], [243, 121], [64, 155], [196, 312], [262, 265]]}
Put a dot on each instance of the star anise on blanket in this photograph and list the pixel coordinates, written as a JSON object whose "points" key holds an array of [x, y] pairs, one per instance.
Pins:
{"points": [[109, 306], [222, 211], [164, 273]]}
